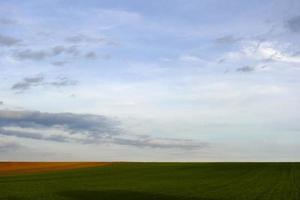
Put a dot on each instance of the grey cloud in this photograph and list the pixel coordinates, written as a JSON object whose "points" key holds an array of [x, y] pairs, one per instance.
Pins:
{"points": [[163, 143], [1, 103], [93, 126], [57, 50], [29, 54], [22, 134], [228, 39], [59, 63], [85, 39], [28, 82], [80, 38], [32, 135], [71, 50], [39, 80], [293, 24], [38, 55], [96, 129], [222, 60], [245, 69], [91, 55], [7, 21], [75, 39], [8, 41], [63, 81]]}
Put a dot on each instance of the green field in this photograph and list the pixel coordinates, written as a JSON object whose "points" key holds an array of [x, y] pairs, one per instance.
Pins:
{"points": [[157, 181]]}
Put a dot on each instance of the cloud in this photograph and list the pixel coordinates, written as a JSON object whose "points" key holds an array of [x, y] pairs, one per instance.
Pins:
{"points": [[8, 41], [62, 81], [81, 46], [38, 55], [94, 126], [137, 141], [228, 39], [29, 54], [82, 128], [60, 49], [1, 103], [80, 38], [39, 80], [59, 63], [293, 24], [6, 21], [256, 51], [245, 69], [91, 55], [57, 50], [163, 143], [28, 82], [33, 135]]}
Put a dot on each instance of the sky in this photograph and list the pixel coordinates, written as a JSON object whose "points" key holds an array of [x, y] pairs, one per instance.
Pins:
{"points": [[160, 80]]}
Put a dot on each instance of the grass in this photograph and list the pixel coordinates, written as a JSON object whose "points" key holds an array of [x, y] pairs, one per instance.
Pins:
{"points": [[159, 181]]}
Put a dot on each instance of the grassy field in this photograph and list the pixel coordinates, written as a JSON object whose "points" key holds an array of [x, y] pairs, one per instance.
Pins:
{"points": [[158, 181]]}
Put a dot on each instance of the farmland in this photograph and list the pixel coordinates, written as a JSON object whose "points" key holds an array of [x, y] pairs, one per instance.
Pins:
{"points": [[150, 181]]}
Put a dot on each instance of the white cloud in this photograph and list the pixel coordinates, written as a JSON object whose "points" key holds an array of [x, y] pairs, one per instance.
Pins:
{"points": [[263, 51]]}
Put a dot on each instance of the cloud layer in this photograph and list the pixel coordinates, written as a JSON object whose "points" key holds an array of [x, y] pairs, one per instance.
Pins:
{"points": [[82, 128], [8, 41], [39, 80]]}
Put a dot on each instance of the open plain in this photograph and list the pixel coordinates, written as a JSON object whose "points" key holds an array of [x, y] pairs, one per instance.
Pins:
{"points": [[150, 181]]}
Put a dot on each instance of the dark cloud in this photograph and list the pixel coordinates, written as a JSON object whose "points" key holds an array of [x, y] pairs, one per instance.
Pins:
{"points": [[228, 39], [1, 103], [8, 41], [293, 24], [245, 69], [28, 82], [39, 80], [94, 129]]}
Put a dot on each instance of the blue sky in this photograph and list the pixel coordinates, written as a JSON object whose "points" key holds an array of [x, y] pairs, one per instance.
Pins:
{"points": [[150, 80]]}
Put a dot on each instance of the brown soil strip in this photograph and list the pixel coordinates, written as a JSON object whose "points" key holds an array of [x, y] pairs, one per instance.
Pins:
{"points": [[11, 168]]}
